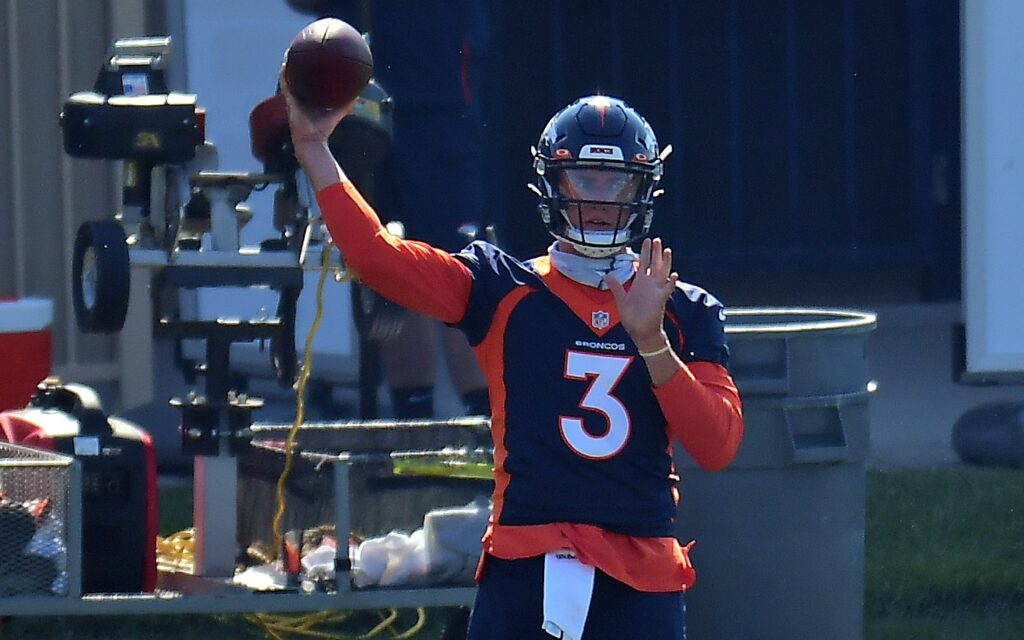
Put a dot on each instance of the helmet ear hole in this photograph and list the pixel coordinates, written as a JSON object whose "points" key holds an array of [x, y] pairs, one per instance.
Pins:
{"points": [[648, 219], [545, 214]]}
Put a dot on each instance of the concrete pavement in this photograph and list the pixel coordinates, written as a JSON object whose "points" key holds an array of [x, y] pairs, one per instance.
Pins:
{"points": [[917, 403]]}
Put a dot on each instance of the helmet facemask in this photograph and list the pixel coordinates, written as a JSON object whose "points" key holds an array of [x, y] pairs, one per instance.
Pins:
{"points": [[597, 208]]}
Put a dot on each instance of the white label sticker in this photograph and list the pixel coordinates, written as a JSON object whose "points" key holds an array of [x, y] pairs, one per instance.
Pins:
{"points": [[135, 84], [600, 152], [87, 446]]}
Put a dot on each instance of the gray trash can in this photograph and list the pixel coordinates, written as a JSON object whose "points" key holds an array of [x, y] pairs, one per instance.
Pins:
{"points": [[780, 532]]}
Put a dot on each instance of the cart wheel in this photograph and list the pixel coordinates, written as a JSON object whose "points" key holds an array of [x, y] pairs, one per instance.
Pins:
{"points": [[282, 345], [100, 277], [377, 319]]}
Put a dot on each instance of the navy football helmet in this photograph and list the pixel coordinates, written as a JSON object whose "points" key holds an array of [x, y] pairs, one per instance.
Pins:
{"points": [[597, 151]]}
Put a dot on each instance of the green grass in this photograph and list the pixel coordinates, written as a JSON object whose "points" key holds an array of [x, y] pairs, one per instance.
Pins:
{"points": [[959, 626], [175, 509], [132, 627], [944, 555], [200, 627]]}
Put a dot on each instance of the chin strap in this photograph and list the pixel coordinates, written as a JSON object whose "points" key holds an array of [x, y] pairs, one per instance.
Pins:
{"points": [[598, 244]]}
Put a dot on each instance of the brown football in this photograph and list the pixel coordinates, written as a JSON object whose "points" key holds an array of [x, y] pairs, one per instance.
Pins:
{"points": [[328, 64]]}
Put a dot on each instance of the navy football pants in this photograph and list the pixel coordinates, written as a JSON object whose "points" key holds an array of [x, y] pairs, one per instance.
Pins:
{"points": [[509, 606]]}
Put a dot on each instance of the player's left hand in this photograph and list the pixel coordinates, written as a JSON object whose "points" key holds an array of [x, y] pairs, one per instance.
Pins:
{"points": [[642, 306]]}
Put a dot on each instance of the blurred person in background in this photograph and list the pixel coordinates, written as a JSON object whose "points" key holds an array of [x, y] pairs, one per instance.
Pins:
{"points": [[431, 57]]}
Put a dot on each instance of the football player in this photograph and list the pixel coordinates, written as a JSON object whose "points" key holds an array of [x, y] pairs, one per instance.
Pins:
{"points": [[597, 359]]}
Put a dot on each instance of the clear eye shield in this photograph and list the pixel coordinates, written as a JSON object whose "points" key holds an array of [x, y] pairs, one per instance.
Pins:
{"points": [[599, 185]]}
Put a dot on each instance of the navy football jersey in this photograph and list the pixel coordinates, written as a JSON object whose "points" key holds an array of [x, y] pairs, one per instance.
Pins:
{"points": [[579, 435]]}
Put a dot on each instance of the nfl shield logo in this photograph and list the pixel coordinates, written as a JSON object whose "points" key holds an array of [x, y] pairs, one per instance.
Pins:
{"points": [[600, 319]]}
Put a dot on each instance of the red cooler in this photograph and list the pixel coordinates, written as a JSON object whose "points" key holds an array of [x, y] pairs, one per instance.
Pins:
{"points": [[25, 348], [119, 495]]}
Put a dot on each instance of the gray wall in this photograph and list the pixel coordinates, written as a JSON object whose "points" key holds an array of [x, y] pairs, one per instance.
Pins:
{"points": [[48, 50]]}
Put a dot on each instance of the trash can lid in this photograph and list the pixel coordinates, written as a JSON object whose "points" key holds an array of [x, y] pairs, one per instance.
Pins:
{"points": [[25, 314], [746, 321]]}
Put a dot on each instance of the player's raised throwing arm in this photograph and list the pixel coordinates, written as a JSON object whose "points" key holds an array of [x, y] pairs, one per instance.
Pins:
{"points": [[413, 274]]}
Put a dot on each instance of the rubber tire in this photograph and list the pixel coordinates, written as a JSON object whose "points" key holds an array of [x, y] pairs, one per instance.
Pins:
{"points": [[283, 355], [102, 310], [377, 319]]}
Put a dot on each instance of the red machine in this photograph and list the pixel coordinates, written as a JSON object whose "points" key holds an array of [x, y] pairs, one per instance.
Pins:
{"points": [[119, 497]]}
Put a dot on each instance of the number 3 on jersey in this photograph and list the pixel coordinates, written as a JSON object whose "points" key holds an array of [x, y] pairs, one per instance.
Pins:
{"points": [[604, 372]]}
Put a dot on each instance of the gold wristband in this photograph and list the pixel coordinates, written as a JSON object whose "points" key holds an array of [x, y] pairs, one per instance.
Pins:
{"points": [[656, 352]]}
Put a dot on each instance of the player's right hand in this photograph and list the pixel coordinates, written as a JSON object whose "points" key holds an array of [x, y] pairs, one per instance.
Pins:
{"points": [[310, 126]]}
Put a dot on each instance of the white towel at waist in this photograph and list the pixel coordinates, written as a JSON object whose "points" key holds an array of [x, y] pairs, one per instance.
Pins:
{"points": [[568, 587]]}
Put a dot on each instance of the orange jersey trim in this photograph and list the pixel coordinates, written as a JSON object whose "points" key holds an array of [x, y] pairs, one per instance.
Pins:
{"points": [[581, 299], [490, 354]]}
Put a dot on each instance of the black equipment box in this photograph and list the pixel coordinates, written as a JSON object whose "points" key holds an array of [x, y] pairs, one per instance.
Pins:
{"points": [[119, 496], [161, 128]]}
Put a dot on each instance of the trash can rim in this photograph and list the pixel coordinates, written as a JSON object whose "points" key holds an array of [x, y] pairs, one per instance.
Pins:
{"points": [[834, 320]]}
